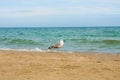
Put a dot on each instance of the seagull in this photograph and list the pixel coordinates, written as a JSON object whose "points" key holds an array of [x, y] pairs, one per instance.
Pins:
{"points": [[57, 45]]}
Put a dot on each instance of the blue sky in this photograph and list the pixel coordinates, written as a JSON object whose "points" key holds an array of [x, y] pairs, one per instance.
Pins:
{"points": [[53, 13]]}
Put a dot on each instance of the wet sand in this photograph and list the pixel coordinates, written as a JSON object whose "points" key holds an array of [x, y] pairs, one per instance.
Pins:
{"points": [[22, 65]]}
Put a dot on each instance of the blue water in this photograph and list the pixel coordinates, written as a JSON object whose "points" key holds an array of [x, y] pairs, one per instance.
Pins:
{"points": [[80, 39]]}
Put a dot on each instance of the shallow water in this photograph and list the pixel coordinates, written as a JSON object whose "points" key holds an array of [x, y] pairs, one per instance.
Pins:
{"points": [[80, 39]]}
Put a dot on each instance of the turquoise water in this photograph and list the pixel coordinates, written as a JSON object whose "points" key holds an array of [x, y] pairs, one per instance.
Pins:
{"points": [[80, 39]]}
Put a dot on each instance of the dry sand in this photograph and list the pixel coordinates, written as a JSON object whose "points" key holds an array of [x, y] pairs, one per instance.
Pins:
{"points": [[20, 65]]}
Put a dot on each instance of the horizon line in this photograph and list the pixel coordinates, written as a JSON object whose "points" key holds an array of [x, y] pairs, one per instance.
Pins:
{"points": [[53, 26]]}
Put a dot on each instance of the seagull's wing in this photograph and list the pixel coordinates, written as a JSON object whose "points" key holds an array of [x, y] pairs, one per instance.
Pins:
{"points": [[57, 44]]}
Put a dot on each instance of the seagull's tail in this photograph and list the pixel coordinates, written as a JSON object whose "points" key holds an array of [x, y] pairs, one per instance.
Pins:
{"points": [[50, 47]]}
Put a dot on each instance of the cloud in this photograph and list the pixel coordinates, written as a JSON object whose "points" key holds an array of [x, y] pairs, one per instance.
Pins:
{"points": [[26, 12], [109, 1], [29, 8], [47, 11], [83, 10]]}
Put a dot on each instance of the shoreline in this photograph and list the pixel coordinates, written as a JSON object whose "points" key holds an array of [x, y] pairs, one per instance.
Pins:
{"points": [[33, 65], [64, 51]]}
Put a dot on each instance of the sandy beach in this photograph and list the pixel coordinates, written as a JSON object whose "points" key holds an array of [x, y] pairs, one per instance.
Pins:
{"points": [[21, 65]]}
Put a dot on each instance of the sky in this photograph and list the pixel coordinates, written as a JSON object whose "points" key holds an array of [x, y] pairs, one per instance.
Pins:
{"points": [[59, 13]]}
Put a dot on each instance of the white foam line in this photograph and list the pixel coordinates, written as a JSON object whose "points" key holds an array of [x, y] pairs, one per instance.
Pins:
{"points": [[34, 50]]}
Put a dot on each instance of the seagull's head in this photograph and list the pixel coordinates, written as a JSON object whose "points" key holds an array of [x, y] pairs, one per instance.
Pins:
{"points": [[62, 40]]}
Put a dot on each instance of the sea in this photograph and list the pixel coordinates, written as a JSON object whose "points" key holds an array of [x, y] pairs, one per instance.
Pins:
{"points": [[77, 39]]}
